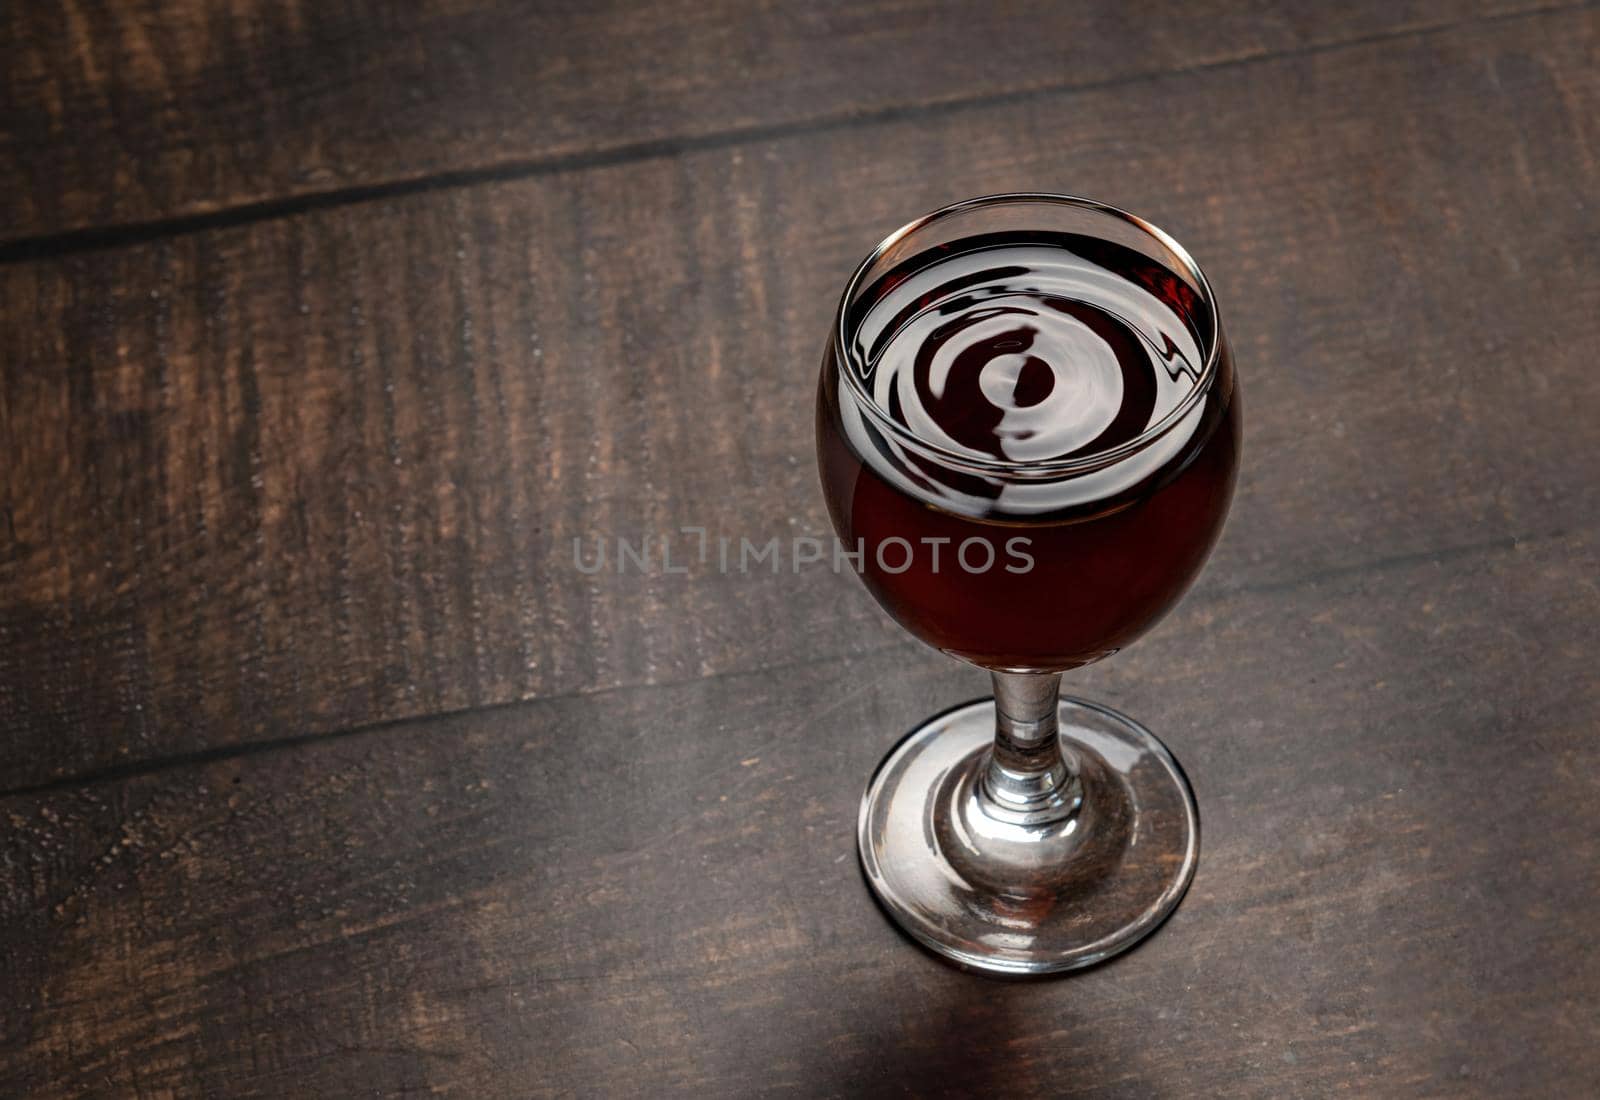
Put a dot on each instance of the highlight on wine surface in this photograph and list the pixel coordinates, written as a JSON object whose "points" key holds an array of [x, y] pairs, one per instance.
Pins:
{"points": [[1049, 368]]}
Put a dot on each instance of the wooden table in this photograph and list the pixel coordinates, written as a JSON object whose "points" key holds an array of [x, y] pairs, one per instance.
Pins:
{"points": [[327, 327]]}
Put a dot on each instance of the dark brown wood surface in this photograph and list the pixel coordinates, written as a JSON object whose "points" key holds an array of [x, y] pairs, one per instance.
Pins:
{"points": [[130, 111], [328, 328]]}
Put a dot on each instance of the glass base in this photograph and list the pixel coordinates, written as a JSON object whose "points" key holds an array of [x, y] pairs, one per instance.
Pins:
{"points": [[1002, 893]]}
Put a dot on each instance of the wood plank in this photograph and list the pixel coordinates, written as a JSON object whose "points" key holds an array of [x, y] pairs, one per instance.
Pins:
{"points": [[296, 476], [126, 112], [653, 890]]}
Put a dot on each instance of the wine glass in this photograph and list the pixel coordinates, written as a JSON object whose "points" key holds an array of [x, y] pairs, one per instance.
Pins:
{"points": [[1028, 432]]}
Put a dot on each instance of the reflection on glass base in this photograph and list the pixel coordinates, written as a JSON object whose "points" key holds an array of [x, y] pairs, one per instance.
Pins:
{"points": [[1020, 898]]}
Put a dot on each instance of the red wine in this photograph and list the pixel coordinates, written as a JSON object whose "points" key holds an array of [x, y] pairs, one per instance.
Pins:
{"points": [[1009, 505]]}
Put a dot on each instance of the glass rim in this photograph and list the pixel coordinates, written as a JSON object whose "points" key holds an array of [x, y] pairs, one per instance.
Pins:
{"points": [[1010, 467]]}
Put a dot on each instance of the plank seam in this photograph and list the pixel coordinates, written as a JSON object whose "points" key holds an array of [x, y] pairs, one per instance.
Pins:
{"points": [[98, 238], [115, 772]]}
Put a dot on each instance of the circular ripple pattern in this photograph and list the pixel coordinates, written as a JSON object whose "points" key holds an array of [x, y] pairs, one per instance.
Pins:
{"points": [[1029, 375], [1023, 353]]}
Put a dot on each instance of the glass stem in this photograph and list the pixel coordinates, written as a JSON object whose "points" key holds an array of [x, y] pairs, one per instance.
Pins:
{"points": [[1029, 777]]}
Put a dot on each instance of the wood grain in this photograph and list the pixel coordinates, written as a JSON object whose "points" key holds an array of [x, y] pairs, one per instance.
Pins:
{"points": [[325, 471], [324, 772], [124, 112], [654, 889]]}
